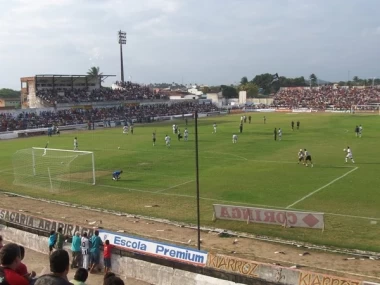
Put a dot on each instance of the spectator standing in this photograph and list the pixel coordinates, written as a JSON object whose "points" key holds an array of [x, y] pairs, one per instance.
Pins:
{"points": [[96, 242], [10, 258], [80, 277], [52, 241], [107, 249], [59, 267], [76, 251], [85, 248], [60, 238]]}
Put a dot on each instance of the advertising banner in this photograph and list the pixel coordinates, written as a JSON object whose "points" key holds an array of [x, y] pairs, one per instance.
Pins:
{"points": [[157, 249], [284, 218]]}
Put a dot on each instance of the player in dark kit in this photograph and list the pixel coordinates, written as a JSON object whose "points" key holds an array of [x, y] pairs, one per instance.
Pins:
{"points": [[116, 174], [292, 125], [249, 119], [275, 134], [154, 138], [298, 125]]}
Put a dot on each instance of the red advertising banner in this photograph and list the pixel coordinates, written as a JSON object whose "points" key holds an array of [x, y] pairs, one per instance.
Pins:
{"points": [[284, 218]]}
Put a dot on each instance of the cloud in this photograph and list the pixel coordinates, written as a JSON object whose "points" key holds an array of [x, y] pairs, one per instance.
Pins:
{"points": [[211, 41]]}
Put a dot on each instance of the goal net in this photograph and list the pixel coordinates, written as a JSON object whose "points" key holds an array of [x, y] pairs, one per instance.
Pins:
{"points": [[366, 109], [55, 170]]}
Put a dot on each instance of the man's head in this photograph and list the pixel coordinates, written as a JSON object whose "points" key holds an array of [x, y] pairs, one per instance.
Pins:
{"points": [[10, 255], [113, 280], [85, 234], [77, 234], [60, 230], [81, 275], [52, 233], [60, 262], [96, 231], [107, 242]]}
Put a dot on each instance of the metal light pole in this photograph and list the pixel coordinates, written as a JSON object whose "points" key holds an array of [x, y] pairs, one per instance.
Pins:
{"points": [[197, 179], [122, 41]]}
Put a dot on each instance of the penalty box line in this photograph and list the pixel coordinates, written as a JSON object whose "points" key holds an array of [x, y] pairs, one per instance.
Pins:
{"points": [[321, 188], [174, 186]]}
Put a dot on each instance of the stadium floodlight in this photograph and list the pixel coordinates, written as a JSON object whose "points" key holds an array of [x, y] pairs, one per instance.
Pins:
{"points": [[122, 41]]}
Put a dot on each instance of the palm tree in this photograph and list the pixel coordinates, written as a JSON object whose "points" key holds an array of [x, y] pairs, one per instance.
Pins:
{"points": [[94, 72]]}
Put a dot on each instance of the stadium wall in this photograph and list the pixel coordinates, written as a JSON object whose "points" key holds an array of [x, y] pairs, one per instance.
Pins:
{"points": [[32, 232]]}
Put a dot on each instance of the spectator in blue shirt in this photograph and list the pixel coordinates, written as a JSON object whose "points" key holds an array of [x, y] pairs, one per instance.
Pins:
{"points": [[76, 251], [52, 241], [96, 242]]}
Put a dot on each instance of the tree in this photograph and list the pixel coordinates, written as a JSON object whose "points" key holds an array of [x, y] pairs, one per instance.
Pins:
{"points": [[94, 72], [251, 88], [229, 92], [356, 80], [313, 79], [9, 93], [244, 80]]}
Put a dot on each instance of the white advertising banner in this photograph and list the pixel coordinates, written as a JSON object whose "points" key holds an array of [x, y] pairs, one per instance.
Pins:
{"points": [[269, 216], [153, 248]]}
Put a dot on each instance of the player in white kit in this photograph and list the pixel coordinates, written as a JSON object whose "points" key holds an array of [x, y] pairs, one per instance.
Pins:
{"points": [[75, 143], [214, 125], [279, 134], [125, 130], [167, 141], [234, 138], [185, 134], [349, 154], [360, 131], [174, 127], [85, 248]]}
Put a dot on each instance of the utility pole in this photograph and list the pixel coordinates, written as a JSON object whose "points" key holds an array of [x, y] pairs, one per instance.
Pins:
{"points": [[122, 41]]}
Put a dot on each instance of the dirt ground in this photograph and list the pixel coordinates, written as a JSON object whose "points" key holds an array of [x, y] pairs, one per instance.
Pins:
{"points": [[252, 249]]}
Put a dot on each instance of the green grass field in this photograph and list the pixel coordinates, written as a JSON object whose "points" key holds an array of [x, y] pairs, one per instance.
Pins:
{"points": [[256, 171]]}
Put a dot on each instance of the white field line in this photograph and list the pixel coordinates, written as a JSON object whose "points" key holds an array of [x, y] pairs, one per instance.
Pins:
{"points": [[321, 188], [221, 201], [175, 186]]}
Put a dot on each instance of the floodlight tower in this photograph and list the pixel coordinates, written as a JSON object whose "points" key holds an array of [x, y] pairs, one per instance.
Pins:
{"points": [[122, 41]]}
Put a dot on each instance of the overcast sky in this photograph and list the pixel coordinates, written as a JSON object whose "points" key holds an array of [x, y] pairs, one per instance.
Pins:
{"points": [[203, 41]]}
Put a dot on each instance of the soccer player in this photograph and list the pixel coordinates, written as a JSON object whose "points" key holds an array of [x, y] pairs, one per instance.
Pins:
{"points": [[154, 138], [241, 127], [174, 128], [249, 118], [125, 130], [279, 134], [275, 133], [357, 131], [57, 131], [360, 131], [214, 125], [186, 134], [265, 120], [116, 174], [308, 158], [75, 143], [167, 141], [349, 154], [131, 128], [298, 125], [179, 136], [45, 149], [85, 247], [301, 157], [292, 124], [234, 138]]}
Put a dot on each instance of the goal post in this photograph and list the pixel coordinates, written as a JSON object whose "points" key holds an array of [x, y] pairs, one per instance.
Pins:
{"points": [[53, 169], [373, 109]]}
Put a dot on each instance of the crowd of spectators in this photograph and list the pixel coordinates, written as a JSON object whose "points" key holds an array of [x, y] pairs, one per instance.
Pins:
{"points": [[125, 91], [14, 272], [137, 113], [326, 97]]}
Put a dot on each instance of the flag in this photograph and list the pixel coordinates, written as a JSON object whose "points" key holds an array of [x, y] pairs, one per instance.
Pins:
{"points": [[274, 77]]}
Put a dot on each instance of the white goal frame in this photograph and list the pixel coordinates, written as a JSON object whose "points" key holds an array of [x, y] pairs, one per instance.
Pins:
{"points": [[376, 106], [66, 150]]}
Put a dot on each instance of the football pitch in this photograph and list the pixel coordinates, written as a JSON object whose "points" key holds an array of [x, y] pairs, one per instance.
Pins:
{"points": [[257, 171]]}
